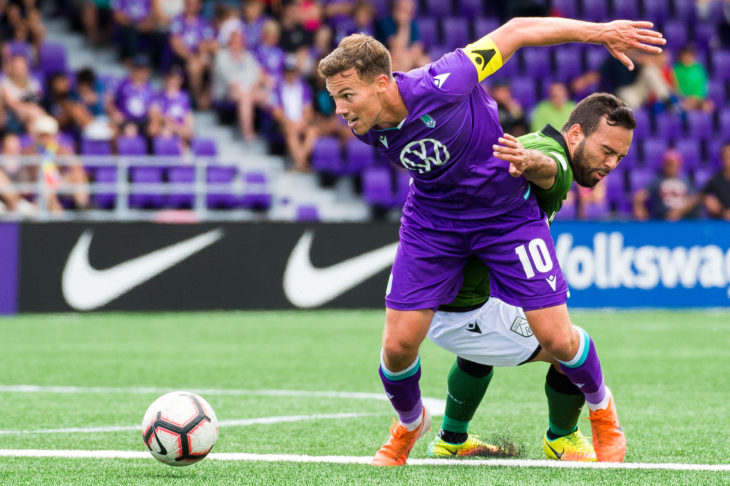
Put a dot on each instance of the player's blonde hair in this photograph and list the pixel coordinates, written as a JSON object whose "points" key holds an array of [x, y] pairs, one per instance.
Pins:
{"points": [[366, 55]]}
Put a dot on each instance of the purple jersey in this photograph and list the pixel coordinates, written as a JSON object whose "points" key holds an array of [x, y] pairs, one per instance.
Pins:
{"points": [[446, 144], [134, 100], [174, 105], [252, 31], [136, 10], [192, 31], [293, 97], [272, 59]]}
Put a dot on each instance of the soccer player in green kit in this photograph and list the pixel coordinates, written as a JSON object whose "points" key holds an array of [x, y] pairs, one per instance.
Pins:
{"points": [[485, 332]]}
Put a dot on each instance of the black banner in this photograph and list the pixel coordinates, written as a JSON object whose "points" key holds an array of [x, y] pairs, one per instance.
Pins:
{"points": [[148, 266]]}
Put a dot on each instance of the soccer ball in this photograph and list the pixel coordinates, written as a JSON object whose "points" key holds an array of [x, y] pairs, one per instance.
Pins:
{"points": [[179, 428]]}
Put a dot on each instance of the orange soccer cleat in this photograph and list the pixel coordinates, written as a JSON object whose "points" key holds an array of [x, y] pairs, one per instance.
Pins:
{"points": [[609, 440], [401, 441]]}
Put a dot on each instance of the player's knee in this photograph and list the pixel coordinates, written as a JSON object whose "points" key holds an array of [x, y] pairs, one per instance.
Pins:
{"points": [[399, 348], [562, 346]]}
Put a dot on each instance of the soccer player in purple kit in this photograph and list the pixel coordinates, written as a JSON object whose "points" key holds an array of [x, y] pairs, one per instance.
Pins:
{"points": [[437, 122]]}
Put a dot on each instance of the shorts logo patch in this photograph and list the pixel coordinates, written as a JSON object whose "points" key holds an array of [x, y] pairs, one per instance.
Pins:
{"points": [[521, 326], [473, 327]]}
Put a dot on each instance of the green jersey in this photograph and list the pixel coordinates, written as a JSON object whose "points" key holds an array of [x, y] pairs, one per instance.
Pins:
{"points": [[475, 289]]}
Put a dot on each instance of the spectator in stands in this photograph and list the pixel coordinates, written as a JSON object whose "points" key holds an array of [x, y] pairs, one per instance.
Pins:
{"points": [[716, 194], [192, 40], [22, 22], [89, 91], [400, 33], [690, 78], [511, 115], [136, 26], [670, 196], [592, 202], [634, 87], [11, 172], [555, 110], [46, 144], [271, 57], [338, 13], [62, 103], [96, 17], [238, 77], [293, 111], [253, 22], [21, 94], [362, 21], [723, 24], [171, 113], [129, 109], [294, 37], [310, 14]]}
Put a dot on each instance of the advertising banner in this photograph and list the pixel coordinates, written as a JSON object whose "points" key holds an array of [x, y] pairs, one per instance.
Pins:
{"points": [[147, 266], [8, 268]]}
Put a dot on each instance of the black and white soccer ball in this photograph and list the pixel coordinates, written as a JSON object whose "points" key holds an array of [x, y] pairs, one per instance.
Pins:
{"points": [[179, 428]]}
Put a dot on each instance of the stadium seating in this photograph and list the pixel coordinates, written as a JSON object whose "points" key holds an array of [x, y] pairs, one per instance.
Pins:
{"points": [[377, 187], [256, 192], [52, 58], [326, 156], [358, 156]]}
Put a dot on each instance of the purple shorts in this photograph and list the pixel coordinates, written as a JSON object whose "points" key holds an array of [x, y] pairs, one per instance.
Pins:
{"points": [[516, 247]]}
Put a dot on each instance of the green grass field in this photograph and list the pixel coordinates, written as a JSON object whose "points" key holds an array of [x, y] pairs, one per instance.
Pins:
{"points": [[669, 371]]}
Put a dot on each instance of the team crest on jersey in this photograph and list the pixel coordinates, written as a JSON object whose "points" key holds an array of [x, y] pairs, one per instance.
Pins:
{"points": [[428, 120], [521, 326], [424, 155]]}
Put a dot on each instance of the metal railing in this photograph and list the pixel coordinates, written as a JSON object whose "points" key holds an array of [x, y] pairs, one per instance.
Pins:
{"points": [[34, 186]]}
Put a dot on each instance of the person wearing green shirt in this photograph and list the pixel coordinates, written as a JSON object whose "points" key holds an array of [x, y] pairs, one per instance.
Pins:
{"points": [[486, 332], [690, 79], [555, 110]]}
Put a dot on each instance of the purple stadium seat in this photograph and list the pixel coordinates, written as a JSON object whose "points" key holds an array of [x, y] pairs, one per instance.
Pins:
{"points": [[21, 48], [596, 210], [721, 64], [685, 10], [616, 194], [377, 187], [703, 34], [668, 125], [95, 147], [653, 150], [701, 176], [146, 174], [428, 30], [167, 146], [565, 8], [631, 159], [595, 10], [358, 155], [713, 151], [640, 179], [567, 62], [437, 8], [134, 146], [625, 9], [184, 174], [656, 11], [485, 25], [675, 31], [456, 32], [204, 147], [523, 90], [101, 173], [699, 125], [691, 153], [382, 7], [724, 118], [716, 92], [307, 212], [256, 193], [535, 61], [52, 58], [221, 199], [469, 8], [326, 155], [643, 124], [568, 211], [436, 52], [595, 57]]}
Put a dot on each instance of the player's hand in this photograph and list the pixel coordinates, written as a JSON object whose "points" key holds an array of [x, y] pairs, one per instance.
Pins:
{"points": [[511, 150], [621, 36]]}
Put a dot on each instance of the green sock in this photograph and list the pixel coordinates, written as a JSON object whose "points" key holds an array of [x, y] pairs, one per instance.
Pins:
{"points": [[467, 384], [565, 402]]}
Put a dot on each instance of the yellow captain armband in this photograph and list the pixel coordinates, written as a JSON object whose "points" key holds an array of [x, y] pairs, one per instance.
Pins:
{"points": [[485, 56]]}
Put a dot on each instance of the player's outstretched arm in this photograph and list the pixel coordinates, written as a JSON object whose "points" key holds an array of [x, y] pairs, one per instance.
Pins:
{"points": [[619, 36], [537, 167]]}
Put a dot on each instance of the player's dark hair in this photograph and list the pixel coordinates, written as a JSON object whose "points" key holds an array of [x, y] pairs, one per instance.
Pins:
{"points": [[589, 111], [366, 55]]}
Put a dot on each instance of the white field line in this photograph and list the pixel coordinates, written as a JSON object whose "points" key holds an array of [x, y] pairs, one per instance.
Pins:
{"points": [[222, 423], [240, 456], [435, 405]]}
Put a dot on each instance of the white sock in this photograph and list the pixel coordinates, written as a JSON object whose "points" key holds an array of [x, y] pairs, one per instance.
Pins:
{"points": [[603, 404]]}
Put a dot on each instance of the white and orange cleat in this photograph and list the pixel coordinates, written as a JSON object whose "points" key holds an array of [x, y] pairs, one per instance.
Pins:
{"points": [[609, 440]]}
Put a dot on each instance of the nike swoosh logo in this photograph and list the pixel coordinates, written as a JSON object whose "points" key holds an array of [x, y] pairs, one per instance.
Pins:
{"points": [[86, 288], [307, 286], [559, 455]]}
